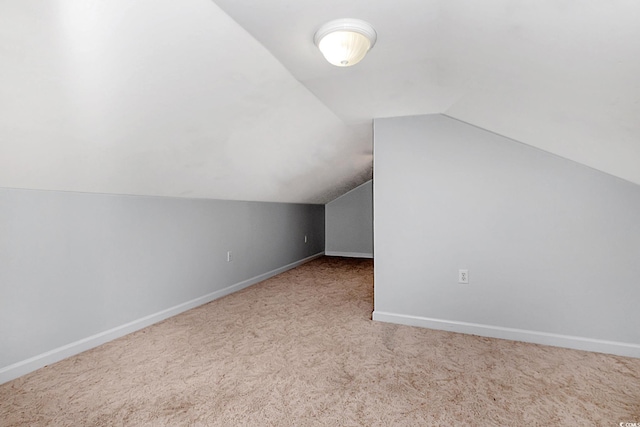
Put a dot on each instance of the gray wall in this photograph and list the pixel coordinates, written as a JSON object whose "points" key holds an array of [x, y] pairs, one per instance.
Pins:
{"points": [[349, 223], [75, 265], [552, 247]]}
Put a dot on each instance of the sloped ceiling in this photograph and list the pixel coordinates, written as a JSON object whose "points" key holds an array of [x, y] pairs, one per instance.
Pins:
{"points": [[161, 97], [231, 100]]}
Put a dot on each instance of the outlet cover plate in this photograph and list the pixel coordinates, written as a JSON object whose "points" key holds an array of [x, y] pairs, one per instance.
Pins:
{"points": [[463, 275]]}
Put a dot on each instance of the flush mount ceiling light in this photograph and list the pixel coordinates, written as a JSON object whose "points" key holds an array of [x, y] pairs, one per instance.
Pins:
{"points": [[344, 42]]}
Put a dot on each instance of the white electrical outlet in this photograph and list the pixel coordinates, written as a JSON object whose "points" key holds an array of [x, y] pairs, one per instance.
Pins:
{"points": [[305, 238], [463, 276], [228, 256]]}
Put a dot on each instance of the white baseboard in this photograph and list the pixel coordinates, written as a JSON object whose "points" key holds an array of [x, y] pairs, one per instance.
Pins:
{"points": [[556, 340], [23, 367], [349, 254]]}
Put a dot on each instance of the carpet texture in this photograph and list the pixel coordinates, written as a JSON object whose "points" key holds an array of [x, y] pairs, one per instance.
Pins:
{"points": [[300, 349]]}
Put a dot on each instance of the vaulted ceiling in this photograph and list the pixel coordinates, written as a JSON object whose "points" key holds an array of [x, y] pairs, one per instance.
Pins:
{"points": [[231, 100]]}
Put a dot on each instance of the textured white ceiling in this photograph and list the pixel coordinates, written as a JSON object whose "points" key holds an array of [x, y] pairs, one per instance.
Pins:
{"points": [[178, 98], [561, 75], [162, 97]]}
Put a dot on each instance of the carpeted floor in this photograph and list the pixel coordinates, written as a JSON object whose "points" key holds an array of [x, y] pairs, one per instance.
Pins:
{"points": [[300, 350]]}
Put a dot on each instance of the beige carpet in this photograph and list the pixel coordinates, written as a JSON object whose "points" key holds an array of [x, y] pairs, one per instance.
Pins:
{"points": [[300, 350]]}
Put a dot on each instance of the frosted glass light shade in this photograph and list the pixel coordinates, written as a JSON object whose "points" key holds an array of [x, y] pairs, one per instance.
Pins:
{"points": [[344, 42]]}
